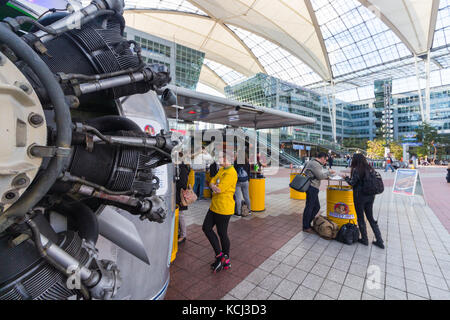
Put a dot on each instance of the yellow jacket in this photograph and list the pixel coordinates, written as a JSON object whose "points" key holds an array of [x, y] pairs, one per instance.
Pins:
{"points": [[223, 202]]}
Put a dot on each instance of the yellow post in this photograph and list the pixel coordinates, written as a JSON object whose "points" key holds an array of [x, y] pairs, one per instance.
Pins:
{"points": [[257, 191], [175, 235], [191, 178], [294, 193], [207, 190], [340, 206]]}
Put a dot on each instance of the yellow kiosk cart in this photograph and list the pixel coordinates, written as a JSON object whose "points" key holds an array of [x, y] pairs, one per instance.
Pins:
{"points": [[340, 206], [294, 194]]}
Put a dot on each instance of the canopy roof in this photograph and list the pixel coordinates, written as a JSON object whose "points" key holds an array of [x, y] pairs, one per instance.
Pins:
{"points": [[306, 42], [212, 109]]}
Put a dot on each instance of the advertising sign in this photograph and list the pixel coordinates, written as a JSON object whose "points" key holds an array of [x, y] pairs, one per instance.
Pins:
{"points": [[405, 182]]}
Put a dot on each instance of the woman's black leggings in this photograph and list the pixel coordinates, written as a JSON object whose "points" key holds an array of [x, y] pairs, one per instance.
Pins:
{"points": [[221, 223]]}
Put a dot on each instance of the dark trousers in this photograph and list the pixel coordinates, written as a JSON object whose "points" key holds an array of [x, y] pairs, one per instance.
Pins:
{"points": [[221, 222], [364, 205], [312, 207]]}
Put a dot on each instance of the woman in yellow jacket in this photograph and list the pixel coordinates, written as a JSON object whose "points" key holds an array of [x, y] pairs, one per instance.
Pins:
{"points": [[223, 186]]}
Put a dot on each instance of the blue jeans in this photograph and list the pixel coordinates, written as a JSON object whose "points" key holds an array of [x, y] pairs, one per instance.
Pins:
{"points": [[199, 184], [389, 165]]}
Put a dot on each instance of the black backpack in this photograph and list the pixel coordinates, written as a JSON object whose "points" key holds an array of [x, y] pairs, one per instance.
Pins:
{"points": [[372, 183], [348, 234]]}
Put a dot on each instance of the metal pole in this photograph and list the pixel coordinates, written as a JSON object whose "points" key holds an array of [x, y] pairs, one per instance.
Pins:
{"points": [[419, 91], [427, 89]]}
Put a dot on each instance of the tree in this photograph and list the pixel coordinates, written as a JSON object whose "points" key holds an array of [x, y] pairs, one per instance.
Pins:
{"points": [[375, 148], [428, 136], [396, 149]]}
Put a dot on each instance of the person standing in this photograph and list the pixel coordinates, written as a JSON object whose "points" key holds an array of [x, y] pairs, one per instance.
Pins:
{"points": [[363, 202], [243, 174], [223, 186], [182, 183], [389, 162], [201, 161], [330, 160], [314, 170]]}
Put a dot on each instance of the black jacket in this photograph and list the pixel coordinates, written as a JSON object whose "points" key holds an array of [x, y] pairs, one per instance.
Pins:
{"points": [[356, 181], [182, 183]]}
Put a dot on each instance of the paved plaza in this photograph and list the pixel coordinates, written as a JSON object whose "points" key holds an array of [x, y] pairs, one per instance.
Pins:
{"points": [[273, 259]]}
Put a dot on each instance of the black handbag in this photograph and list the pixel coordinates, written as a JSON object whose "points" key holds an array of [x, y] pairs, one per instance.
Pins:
{"points": [[300, 182]]}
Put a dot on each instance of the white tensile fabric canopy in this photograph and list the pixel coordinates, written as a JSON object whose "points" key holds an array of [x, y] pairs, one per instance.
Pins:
{"points": [[290, 24]]}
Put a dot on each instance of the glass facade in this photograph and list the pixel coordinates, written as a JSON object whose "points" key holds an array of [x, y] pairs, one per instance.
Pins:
{"points": [[184, 63], [361, 120], [189, 63]]}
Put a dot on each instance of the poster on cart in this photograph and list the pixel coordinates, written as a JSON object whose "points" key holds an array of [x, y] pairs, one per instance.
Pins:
{"points": [[405, 182]]}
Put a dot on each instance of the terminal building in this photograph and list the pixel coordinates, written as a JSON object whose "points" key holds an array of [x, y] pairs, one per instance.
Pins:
{"points": [[357, 121]]}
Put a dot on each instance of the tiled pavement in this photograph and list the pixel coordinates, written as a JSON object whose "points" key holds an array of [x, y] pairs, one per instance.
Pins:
{"points": [[272, 258]]}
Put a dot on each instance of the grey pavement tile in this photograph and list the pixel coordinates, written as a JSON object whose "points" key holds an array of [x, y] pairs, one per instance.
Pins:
{"points": [[229, 297], [311, 255], [318, 248], [349, 294], [274, 296], [330, 288], [395, 282], [282, 270], [340, 264], [431, 269], [297, 275], [354, 282], [414, 275], [437, 282], [291, 260], [306, 264], [326, 260], [242, 289], [414, 297], [394, 294], [303, 293], [417, 288], [299, 252], [270, 282], [258, 294], [414, 265], [321, 296], [269, 265], [257, 276], [336, 275], [438, 294], [279, 256], [286, 289], [320, 270], [357, 270], [395, 270], [366, 296], [375, 289], [288, 247], [312, 281], [361, 260]]}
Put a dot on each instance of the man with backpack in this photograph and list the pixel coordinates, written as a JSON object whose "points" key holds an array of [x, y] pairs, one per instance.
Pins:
{"points": [[243, 173], [315, 170]]}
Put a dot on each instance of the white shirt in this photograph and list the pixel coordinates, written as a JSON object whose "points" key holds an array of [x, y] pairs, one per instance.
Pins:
{"points": [[201, 161]]}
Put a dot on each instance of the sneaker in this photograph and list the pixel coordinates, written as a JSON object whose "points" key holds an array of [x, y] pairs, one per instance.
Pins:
{"points": [[217, 265], [181, 240], [226, 262]]}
